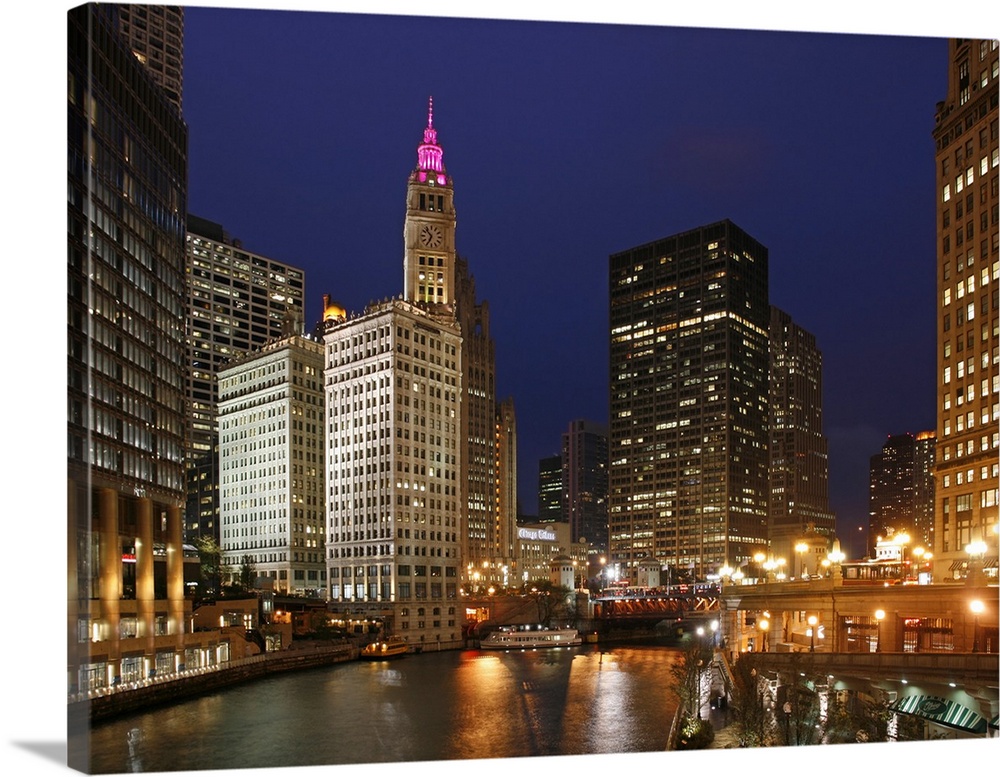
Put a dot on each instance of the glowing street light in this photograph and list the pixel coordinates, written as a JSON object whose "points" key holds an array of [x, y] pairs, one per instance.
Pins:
{"points": [[879, 615], [763, 625], [812, 620], [977, 608]]}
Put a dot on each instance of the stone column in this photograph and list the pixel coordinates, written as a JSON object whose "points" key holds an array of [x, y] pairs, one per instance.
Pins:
{"points": [[110, 576], [144, 588], [175, 575]]}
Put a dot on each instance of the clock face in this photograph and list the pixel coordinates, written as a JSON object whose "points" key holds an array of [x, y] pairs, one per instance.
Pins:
{"points": [[431, 236]]}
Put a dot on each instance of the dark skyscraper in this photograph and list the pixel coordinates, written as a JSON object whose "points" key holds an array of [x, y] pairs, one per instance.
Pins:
{"points": [[550, 506], [585, 483], [689, 439], [799, 465]]}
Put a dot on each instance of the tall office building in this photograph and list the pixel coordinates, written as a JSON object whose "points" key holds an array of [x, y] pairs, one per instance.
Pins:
{"points": [[799, 472], [481, 538], [585, 483], [968, 282], [397, 442], [271, 459], [504, 537], [237, 300], [900, 498], [127, 183], [155, 34], [689, 439], [550, 490]]}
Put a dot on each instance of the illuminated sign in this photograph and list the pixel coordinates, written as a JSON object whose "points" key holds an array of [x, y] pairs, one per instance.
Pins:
{"points": [[536, 534]]}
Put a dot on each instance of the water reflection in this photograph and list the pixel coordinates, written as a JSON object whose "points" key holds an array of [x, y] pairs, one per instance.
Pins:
{"points": [[435, 706]]}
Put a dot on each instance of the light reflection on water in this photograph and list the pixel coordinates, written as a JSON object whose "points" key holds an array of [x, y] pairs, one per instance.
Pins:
{"points": [[468, 704]]}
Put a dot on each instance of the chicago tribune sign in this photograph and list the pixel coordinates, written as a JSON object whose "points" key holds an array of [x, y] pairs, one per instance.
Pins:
{"points": [[536, 534]]}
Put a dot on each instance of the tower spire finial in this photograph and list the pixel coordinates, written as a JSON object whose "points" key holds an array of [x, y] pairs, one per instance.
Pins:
{"points": [[429, 153]]}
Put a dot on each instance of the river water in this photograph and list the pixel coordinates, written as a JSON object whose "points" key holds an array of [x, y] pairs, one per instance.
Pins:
{"points": [[434, 706]]}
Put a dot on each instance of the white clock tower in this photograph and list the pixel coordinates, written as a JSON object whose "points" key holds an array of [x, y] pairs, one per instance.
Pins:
{"points": [[429, 230]]}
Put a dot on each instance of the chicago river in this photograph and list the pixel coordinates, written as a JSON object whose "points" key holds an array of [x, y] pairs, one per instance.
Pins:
{"points": [[435, 706]]}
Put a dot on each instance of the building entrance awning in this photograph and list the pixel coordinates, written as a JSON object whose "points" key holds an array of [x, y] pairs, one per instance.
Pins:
{"points": [[990, 562], [942, 711]]}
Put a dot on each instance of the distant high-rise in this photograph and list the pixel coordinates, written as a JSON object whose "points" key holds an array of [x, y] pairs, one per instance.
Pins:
{"points": [[799, 473], [585, 483], [155, 34], [237, 300], [968, 339], [900, 497], [689, 439], [505, 515], [550, 504], [270, 419]]}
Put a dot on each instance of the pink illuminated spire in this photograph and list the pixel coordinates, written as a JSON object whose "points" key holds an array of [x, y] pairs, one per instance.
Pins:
{"points": [[429, 153]]}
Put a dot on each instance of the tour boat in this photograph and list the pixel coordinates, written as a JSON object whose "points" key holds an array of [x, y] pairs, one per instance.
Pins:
{"points": [[390, 647], [529, 636]]}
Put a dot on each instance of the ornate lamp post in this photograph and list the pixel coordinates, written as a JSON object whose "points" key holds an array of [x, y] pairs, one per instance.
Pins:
{"points": [[977, 608], [879, 615], [763, 625], [812, 620]]}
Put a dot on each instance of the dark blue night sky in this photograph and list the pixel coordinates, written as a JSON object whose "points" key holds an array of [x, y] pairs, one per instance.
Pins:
{"points": [[568, 142]]}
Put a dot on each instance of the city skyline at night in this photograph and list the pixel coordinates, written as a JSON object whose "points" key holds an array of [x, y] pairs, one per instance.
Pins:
{"points": [[594, 139], [568, 142]]}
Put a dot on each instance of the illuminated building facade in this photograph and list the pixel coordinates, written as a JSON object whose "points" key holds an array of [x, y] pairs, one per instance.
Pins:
{"points": [[689, 441], [237, 300], [968, 319], [799, 470], [396, 441], [270, 417], [127, 615], [584, 469]]}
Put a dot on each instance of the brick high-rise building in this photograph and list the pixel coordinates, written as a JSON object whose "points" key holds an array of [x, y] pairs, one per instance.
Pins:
{"points": [[689, 440], [968, 331]]}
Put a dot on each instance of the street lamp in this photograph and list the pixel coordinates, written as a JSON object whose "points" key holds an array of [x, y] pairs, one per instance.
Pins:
{"points": [[812, 620], [879, 615], [977, 608], [976, 551], [903, 539], [763, 624]]}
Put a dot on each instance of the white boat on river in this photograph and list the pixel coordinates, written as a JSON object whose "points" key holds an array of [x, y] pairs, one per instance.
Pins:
{"points": [[523, 637]]}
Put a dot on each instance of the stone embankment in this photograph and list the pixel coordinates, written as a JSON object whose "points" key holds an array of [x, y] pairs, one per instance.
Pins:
{"points": [[141, 696]]}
